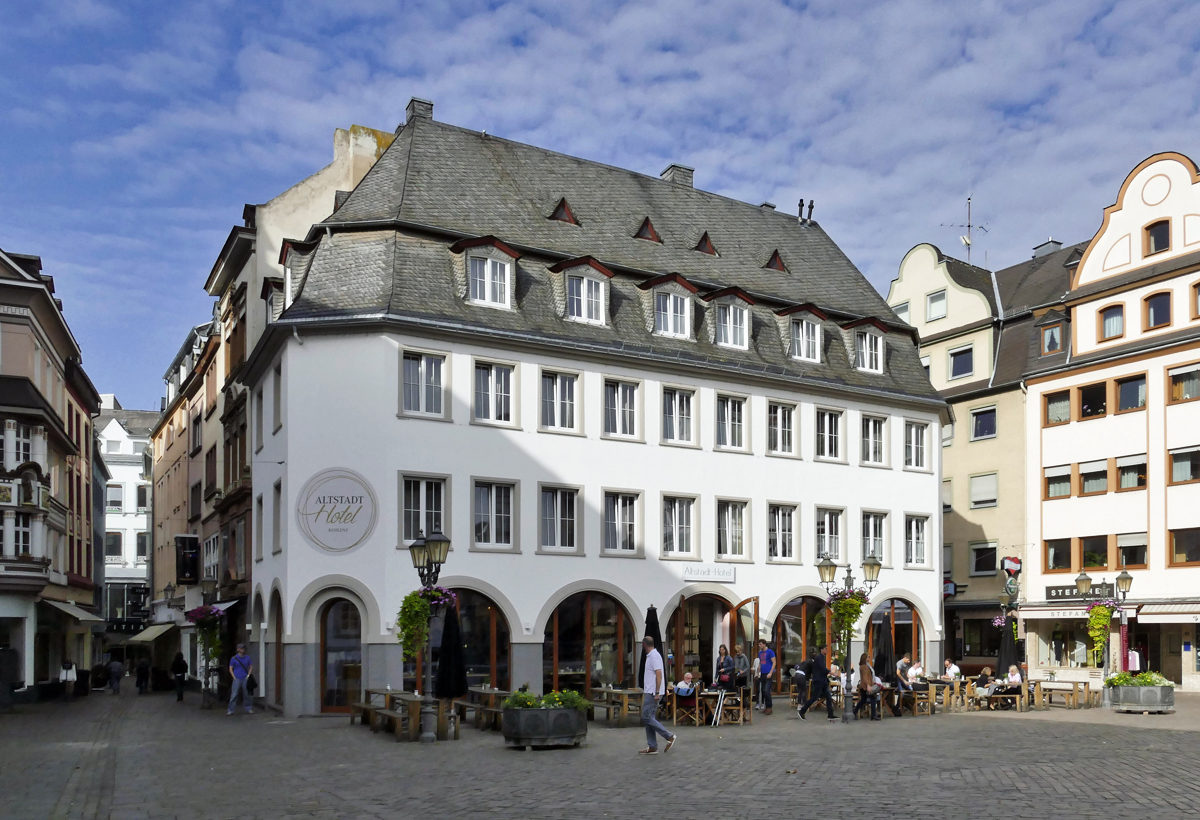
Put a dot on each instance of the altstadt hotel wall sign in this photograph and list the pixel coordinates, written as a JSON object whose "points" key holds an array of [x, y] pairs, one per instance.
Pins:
{"points": [[337, 510]]}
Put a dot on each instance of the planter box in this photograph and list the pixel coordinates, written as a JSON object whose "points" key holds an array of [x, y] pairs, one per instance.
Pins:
{"points": [[1143, 698], [544, 727]]}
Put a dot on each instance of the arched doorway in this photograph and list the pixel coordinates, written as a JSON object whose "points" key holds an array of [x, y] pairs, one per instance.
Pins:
{"points": [[485, 639], [698, 627], [903, 624], [801, 626], [341, 655], [589, 643]]}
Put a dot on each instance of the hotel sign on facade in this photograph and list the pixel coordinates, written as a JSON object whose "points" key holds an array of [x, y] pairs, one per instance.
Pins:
{"points": [[337, 510]]}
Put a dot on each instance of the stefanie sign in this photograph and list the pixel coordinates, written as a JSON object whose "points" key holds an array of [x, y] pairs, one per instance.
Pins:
{"points": [[337, 510]]}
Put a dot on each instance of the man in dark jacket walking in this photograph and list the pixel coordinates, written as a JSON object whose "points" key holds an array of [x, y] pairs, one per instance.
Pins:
{"points": [[818, 685]]}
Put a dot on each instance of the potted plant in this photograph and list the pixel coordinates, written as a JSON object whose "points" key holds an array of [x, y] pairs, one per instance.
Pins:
{"points": [[1147, 692], [557, 719]]}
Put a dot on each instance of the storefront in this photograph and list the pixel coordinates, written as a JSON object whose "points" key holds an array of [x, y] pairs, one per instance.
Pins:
{"points": [[903, 625], [698, 628], [589, 643], [803, 625]]}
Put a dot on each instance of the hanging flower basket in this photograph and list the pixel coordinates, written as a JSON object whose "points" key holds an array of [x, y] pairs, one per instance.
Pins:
{"points": [[846, 606], [413, 619]]}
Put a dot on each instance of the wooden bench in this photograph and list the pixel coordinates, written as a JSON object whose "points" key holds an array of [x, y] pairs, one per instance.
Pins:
{"points": [[488, 717], [364, 711], [461, 706], [609, 709], [398, 721]]}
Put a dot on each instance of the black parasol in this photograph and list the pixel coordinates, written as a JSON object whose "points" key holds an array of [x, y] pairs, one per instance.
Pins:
{"points": [[451, 680], [653, 631], [1008, 648], [885, 654]]}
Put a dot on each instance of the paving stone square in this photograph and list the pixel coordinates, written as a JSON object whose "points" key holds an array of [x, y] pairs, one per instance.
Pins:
{"points": [[132, 757]]}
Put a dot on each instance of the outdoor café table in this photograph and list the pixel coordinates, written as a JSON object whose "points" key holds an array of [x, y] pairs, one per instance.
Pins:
{"points": [[412, 702], [619, 699], [1070, 689], [488, 698]]}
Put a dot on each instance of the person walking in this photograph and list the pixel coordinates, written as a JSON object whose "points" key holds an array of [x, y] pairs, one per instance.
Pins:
{"points": [[240, 668], [179, 670], [68, 677], [654, 685], [766, 666], [143, 675], [116, 671], [818, 685]]}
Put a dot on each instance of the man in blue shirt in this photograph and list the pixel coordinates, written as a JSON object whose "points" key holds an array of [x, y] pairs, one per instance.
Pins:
{"points": [[766, 666], [240, 667]]}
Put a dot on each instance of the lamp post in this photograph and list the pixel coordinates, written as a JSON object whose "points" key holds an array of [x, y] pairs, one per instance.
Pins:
{"points": [[1124, 582], [828, 570], [1083, 585], [428, 555]]}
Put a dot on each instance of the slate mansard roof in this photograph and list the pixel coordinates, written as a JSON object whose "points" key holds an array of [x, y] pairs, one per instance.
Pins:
{"points": [[385, 255]]}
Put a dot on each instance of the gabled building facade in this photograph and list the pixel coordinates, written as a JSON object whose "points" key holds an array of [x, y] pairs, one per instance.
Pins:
{"points": [[611, 391]]}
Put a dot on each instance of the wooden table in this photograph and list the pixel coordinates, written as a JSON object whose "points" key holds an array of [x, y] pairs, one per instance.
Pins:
{"points": [[1071, 690], [489, 699], [619, 700], [412, 703]]}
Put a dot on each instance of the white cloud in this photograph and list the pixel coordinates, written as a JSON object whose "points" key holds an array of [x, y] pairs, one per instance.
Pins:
{"points": [[156, 129]]}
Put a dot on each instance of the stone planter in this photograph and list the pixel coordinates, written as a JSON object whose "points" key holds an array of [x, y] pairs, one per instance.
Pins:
{"points": [[544, 727], [1143, 698]]}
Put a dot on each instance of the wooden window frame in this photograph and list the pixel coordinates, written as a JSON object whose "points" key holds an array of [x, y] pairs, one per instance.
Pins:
{"points": [[1046, 408], [1167, 380], [1046, 487], [1046, 556], [1107, 557], [1116, 393], [1171, 474], [1100, 337], [1042, 339], [1146, 326], [1194, 301], [1146, 252], [1117, 553], [1077, 401], [1171, 562], [1116, 478], [1108, 482]]}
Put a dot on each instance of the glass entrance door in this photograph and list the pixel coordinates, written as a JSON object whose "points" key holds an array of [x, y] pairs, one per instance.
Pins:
{"points": [[341, 656]]}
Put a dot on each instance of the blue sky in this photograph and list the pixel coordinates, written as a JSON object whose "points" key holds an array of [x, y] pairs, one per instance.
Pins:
{"points": [[135, 131]]}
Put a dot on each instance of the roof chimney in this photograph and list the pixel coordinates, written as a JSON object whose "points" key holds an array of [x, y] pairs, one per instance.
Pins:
{"points": [[339, 199], [418, 107], [1048, 247], [679, 174]]}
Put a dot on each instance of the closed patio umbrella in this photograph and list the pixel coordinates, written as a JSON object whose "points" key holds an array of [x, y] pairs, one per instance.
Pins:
{"points": [[652, 630], [1008, 648], [885, 655], [451, 681]]}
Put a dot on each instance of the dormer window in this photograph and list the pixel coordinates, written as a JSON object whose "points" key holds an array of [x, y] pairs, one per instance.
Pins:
{"points": [[1051, 340], [647, 232], [671, 315], [1158, 237], [585, 299], [705, 245], [489, 281], [731, 326], [806, 340], [868, 351], [563, 213]]}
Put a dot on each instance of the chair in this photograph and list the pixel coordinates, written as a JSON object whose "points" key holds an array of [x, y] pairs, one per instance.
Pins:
{"points": [[685, 709], [732, 710], [922, 702]]}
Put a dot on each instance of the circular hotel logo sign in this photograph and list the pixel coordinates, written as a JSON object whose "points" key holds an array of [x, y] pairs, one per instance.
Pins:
{"points": [[337, 510]]}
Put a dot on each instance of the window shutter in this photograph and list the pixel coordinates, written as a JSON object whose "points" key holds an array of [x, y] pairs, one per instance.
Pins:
{"points": [[983, 488], [1132, 539], [1093, 467], [1131, 461], [1058, 472], [947, 493]]}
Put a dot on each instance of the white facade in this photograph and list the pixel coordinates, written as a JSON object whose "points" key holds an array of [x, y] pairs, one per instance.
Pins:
{"points": [[340, 406], [127, 504], [1110, 485]]}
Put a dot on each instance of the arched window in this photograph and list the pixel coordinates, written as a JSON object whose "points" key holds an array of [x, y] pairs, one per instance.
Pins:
{"points": [[341, 656], [589, 643], [896, 621]]}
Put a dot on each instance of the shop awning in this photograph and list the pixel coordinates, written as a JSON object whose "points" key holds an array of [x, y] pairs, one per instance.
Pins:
{"points": [[224, 605], [81, 615], [151, 633], [1169, 613], [1057, 613]]}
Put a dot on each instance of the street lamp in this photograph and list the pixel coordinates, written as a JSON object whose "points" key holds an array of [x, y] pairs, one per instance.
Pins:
{"points": [[428, 554], [169, 596], [828, 571], [1124, 582], [1083, 585]]}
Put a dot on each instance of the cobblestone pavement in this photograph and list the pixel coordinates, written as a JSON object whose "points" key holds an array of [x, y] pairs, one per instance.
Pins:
{"points": [[133, 757]]}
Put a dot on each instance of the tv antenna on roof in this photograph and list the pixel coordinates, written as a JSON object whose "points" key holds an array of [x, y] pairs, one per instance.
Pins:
{"points": [[967, 239]]}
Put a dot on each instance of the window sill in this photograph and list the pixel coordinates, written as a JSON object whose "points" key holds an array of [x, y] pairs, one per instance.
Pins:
{"points": [[991, 574], [684, 445], [732, 559], [1129, 410], [579, 320], [869, 371], [874, 466], [736, 450], [781, 454], [1092, 495], [1093, 418], [924, 470], [502, 425], [1046, 425], [408, 414], [963, 376], [1183, 401], [919, 567], [990, 505], [673, 557], [1055, 497], [674, 336], [278, 427], [1182, 483], [982, 438], [1056, 571], [492, 305], [277, 551], [792, 562], [571, 553], [827, 460], [195, 451], [1128, 489], [804, 360], [622, 553], [627, 439], [561, 431], [502, 550]]}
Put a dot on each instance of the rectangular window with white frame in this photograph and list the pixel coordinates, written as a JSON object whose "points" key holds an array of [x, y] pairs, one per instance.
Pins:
{"points": [[423, 383], [983, 423], [874, 528], [671, 315], [677, 415], [731, 414], [780, 428], [935, 306], [559, 519], [947, 495], [828, 434], [620, 522], [115, 497], [277, 518], [829, 527], [984, 561], [424, 507], [677, 526], [620, 408], [493, 393], [915, 527], [868, 351], [558, 401], [781, 520], [985, 490], [874, 447], [806, 340], [258, 419], [914, 444], [258, 528], [493, 514], [489, 282], [731, 529], [947, 561], [585, 299], [277, 398], [731, 326], [962, 362]]}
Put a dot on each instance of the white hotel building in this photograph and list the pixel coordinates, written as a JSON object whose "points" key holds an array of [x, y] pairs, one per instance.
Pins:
{"points": [[1114, 432], [611, 391]]}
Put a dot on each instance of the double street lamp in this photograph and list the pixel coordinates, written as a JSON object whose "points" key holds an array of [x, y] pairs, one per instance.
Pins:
{"points": [[1083, 585], [828, 570], [428, 554]]}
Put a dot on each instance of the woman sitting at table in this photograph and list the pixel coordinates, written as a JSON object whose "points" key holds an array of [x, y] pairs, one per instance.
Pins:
{"points": [[984, 684], [1013, 683], [725, 670]]}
